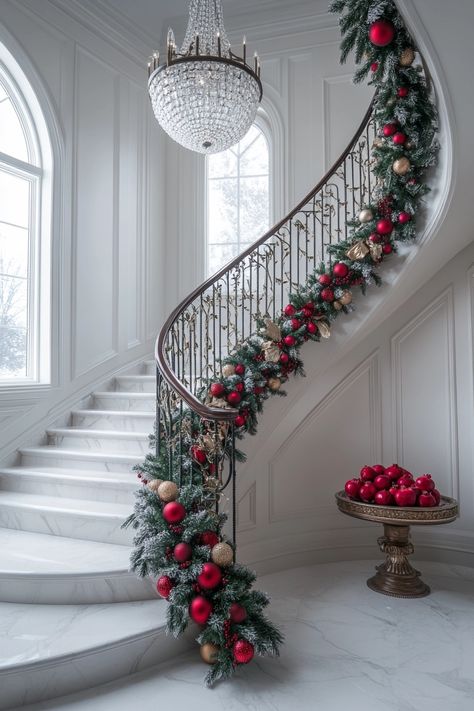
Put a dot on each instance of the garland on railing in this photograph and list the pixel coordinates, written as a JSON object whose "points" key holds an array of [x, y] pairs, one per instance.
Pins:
{"points": [[179, 536]]}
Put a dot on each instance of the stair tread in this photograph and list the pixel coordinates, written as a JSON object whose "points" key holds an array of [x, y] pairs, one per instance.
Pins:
{"points": [[90, 432], [114, 413], [36, 634], [121, 394], [51, 449], [61, 473], [139, 377], [55, 504], [26, 553]]}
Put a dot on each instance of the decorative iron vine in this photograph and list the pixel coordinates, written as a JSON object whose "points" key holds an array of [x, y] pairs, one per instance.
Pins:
{"points": [[235, 341]]}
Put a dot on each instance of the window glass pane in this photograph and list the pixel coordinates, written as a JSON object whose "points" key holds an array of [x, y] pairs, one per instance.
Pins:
{"points": [[223, 211], [12, 352], [13, 250], [253, 208], [12, 137], [255, 160], [249, 138], [14, 199], [13, 302], [220, 254], [222, 165]]}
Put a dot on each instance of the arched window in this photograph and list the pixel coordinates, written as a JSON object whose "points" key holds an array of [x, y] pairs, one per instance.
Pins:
{"points": [[21, 177], [238, 198]]}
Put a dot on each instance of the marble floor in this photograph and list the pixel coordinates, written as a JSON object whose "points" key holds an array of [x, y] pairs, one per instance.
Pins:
{"points": [[347, 649]]}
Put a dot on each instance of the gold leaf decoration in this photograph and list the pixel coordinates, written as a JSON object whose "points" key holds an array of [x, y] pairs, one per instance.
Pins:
{"points": [[324, 329], [271, 351], [219, 402], [358, 250], [375, 251], [272, 330]]}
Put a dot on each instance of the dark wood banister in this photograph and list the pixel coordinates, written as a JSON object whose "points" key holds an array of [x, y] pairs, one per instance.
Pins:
{"points": [[229, 414]]}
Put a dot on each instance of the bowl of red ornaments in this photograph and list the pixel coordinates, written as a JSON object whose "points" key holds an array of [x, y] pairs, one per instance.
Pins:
{"points": [[393, 486]]}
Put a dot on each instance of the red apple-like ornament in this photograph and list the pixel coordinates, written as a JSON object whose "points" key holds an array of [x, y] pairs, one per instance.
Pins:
{"points": [[289, 310], [394, 472], [209, 538], [210, 576], [405, 497], [164, 586], [378, 469], [367, 491], [382, 481], [182, 552], [437, 496], [383, 498], [367, 473], [393, 490], [217, 389], [200, 610], [340, 270], [174, 512], [352, 488], [324, 279], [425, 482], [237, 613], [426, 499]]}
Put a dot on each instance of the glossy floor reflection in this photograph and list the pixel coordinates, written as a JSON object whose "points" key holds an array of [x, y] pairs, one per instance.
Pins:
{"points": [[346, 648]]}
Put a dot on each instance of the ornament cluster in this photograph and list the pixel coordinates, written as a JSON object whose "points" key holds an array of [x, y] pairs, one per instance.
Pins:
{"points": [[393, 486]]}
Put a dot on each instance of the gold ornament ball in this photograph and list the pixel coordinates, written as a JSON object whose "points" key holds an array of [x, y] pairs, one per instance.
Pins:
{"points": [[401, 166], [337, 305], [168, 491], [209, 653], [228, 370], [407, 57], [346, 298], [274, 383], [154, 485], [222, 554], [366, 215]]}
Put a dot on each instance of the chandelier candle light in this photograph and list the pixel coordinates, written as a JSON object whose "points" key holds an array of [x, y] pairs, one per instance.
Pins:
{"points": [[204, 96]]}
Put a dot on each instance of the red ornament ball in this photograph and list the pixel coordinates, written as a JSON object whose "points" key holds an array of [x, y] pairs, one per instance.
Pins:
{"points": [[426, 498], [405, 497], [240, 421], [389, 129], [239, 369], [382, 481], [352, 488], [367, 473], [200, 610], [182, 552], [383, 498], [387, 249], [340, 270], [210, 576], [384, 227], [374, 66], [209, 538], [289, 310], [307, 312], [381, 33], [240, 387], [199, 455], [404, 217], [311, 327], [374, 237], [217, 389], [243, 651], [327, 294], [425, 482], [394, 472], [289, 341], [237, 613], [174, 512], [367, 491], [284, 358], [378, 469], [399, 138], [164, 586], [233, 398], [402, 91], [324, 279], [295, 324]]}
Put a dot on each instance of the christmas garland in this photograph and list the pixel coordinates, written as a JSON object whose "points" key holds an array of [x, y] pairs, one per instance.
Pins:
{"points": [[179, 535]]}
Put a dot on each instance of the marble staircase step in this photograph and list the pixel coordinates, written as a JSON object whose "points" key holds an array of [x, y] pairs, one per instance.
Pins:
{"points": [[114, 441], [46, 569], [48, 455], [71, 518], [48, 650], [131, 421], [113, 400], [135, 383], [113, 487], [149, 367]]}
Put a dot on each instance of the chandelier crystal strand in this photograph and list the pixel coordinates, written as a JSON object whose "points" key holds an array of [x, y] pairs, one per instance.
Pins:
{"points": [[205, 97]]}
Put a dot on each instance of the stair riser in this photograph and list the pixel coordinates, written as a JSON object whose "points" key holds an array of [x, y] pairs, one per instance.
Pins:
{"points": [[130, 385], [68, 523], [145, 404], [75, 589], [101, 444], [40, 682], [122, 423], [149, 368], [54, 459], [90, 491]]}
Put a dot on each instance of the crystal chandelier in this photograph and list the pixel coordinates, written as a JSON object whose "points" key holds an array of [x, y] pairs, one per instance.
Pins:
{"points": [[204, 96]]}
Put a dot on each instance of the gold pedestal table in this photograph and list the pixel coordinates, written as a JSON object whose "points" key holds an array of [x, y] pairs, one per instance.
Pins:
{"points": [[396, 576]]}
